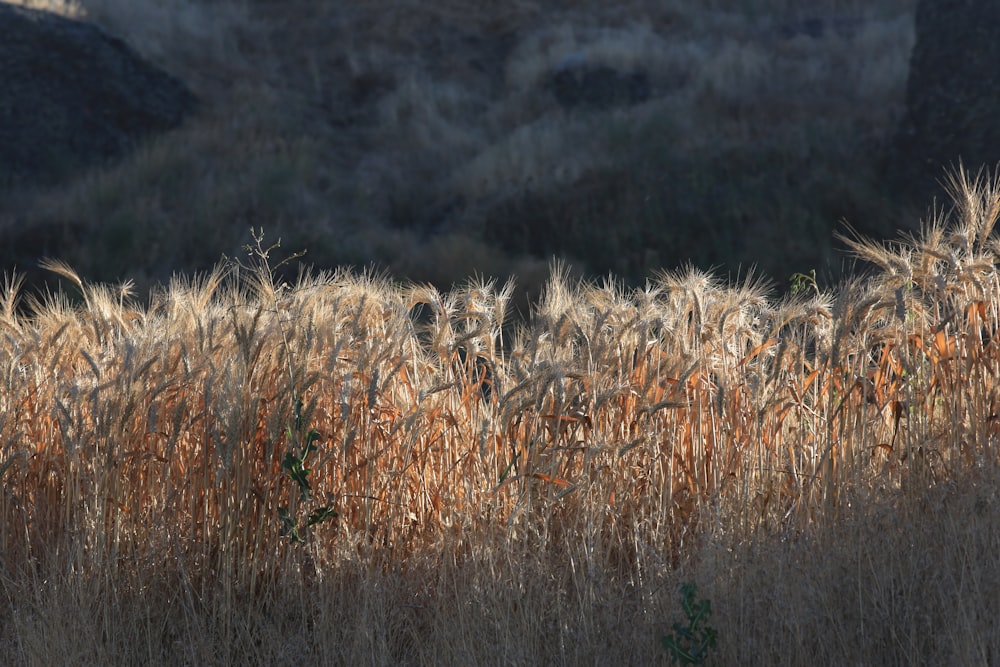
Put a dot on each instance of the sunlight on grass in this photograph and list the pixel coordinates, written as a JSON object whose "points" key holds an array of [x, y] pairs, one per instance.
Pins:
{"points": [[617, 441]]}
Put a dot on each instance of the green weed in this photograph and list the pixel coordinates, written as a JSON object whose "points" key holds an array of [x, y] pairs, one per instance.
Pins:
{"points": [[690, 644], [299, 515]]}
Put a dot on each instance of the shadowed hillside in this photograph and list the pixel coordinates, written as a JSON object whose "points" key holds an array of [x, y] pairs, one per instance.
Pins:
{"points": [[435, 141]]}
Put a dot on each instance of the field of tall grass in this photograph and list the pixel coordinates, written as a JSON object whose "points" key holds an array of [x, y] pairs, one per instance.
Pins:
{"points": [[350, 470]]}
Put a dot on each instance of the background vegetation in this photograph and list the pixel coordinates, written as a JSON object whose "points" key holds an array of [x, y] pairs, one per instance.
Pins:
{"points": [[420, 137]]}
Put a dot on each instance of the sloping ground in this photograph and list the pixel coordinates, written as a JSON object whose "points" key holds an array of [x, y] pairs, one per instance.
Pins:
{"points": [[74, 97], [428, 139]]}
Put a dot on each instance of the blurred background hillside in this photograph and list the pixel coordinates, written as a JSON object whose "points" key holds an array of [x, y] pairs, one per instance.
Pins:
{"points": [[437, 140]]}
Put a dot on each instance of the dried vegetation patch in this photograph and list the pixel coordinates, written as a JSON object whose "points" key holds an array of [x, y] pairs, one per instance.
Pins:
{"points": [[482, 493]]}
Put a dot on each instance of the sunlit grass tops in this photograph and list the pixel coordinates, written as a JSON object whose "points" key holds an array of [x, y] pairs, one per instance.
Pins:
{"points": [[632, 419]]}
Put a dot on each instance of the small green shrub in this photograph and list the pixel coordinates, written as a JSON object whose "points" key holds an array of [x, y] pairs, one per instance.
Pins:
{"points": [[804, 283], [689, 644], [301, 445]]}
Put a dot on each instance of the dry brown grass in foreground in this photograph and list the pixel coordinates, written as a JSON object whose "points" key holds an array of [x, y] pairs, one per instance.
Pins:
{"points": [[824, 466]]}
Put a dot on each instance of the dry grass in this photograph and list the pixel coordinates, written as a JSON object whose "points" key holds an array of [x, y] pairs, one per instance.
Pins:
{"points": [[823, 465]]}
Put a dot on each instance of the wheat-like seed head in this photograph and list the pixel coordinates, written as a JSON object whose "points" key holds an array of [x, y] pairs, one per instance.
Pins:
{"points": [[642, 416]]}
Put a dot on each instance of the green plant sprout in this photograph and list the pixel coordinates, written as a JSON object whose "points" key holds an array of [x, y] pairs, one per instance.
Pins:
{"points": [[804, 282], [294, 465], [689, 644]]}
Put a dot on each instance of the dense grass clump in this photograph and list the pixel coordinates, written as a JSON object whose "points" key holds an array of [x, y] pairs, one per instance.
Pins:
{"points": [[823, 465]]}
